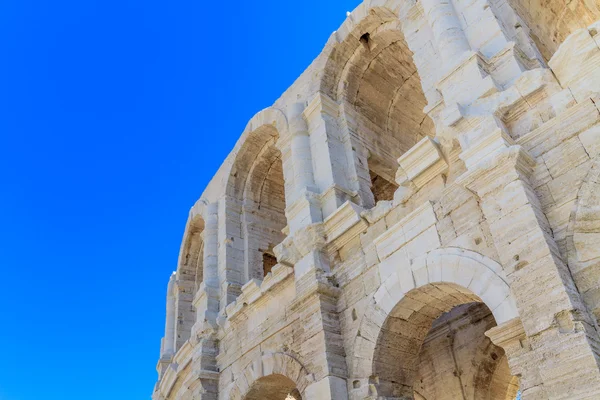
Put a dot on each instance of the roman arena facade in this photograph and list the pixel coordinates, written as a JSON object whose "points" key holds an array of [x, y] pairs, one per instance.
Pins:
{"points": [[416, 217]]}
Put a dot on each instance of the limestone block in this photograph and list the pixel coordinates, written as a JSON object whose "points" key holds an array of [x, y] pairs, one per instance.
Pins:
{"points": [[576, 60], [590, 139], [390, 265], [476, 239], [423, 162], [565, 157], [541, 174], [587, 245], [405, 230], [558, 217], [566, 125], [446, 230], [466, 216], [564, 188], [425, 242], [545, 197], [506, 311], [339, 223], [421, 276], [329, 388]]}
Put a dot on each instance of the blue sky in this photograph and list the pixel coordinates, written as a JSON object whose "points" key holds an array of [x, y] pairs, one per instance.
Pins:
{"points": [[114, 115]]}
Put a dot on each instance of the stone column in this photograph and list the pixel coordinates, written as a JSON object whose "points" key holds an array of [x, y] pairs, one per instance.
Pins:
{"points": [[447, 31], [301, 152], [315, 305], [334, 177], [231, 251], [169, 340], [206, 300], [557, 324], [204, 380], [167, 345], [358, 156], [303, 205], [205, 384]]}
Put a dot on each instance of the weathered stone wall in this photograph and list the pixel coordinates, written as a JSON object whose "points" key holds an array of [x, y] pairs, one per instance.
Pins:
{"points": [[430, 190]]}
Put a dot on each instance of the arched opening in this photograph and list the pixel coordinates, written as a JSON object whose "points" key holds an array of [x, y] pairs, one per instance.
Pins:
{"points": [[257, 184], [432, 346], [372, 74], [273, 387], [190, 274], [264, 210]]}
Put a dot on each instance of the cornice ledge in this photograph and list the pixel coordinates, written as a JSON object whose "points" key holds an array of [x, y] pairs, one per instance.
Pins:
{"points": [[507, 332], [421, 163], [320, 104], [496, 171], [405, 230], [343, 225]]}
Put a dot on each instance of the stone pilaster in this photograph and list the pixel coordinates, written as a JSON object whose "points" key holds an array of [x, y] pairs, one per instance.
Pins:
{"points": [[204, 383], [303, 206], [333, 174], [357, 156], [230, 251], [449, 36], [168, 344], [315, 305], [206, 300], [557, 325]]}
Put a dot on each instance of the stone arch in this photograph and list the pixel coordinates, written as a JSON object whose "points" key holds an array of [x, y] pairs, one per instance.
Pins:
{"points": [[189, 275], [256, 189], [583, 239], [500, 388], [273, 368], [371, 73], [407, 303], [191, 254], [265, 126]]}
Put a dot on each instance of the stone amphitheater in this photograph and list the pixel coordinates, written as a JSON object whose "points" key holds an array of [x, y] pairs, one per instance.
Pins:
{"points": [[417, 217]]}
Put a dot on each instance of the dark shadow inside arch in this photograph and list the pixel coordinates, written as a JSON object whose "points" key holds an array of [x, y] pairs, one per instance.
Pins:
{"points": [[433, 346], [273, 387], [264, 219], [373, 75], [257, 188], [190, 274]]}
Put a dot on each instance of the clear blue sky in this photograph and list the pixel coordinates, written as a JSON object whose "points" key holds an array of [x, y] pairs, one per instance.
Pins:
{"points": [[114, 115]]}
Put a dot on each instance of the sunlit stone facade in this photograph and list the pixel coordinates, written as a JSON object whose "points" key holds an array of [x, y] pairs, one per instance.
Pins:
{"points": [[417, 217]]}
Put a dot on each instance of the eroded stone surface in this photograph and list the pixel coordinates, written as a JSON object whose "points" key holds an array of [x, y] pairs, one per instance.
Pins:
{"points": [[417, 217]]}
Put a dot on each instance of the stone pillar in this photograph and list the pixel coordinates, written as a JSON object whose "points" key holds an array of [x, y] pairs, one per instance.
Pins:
{"points": [[231, 251], [167, 345], [557, 324], [205, 371], [301, 151], [315, 305], [447, 31], [303, 205], [211, 246], [358, 156], [335, 178], [206, 300], [169, 341]]}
